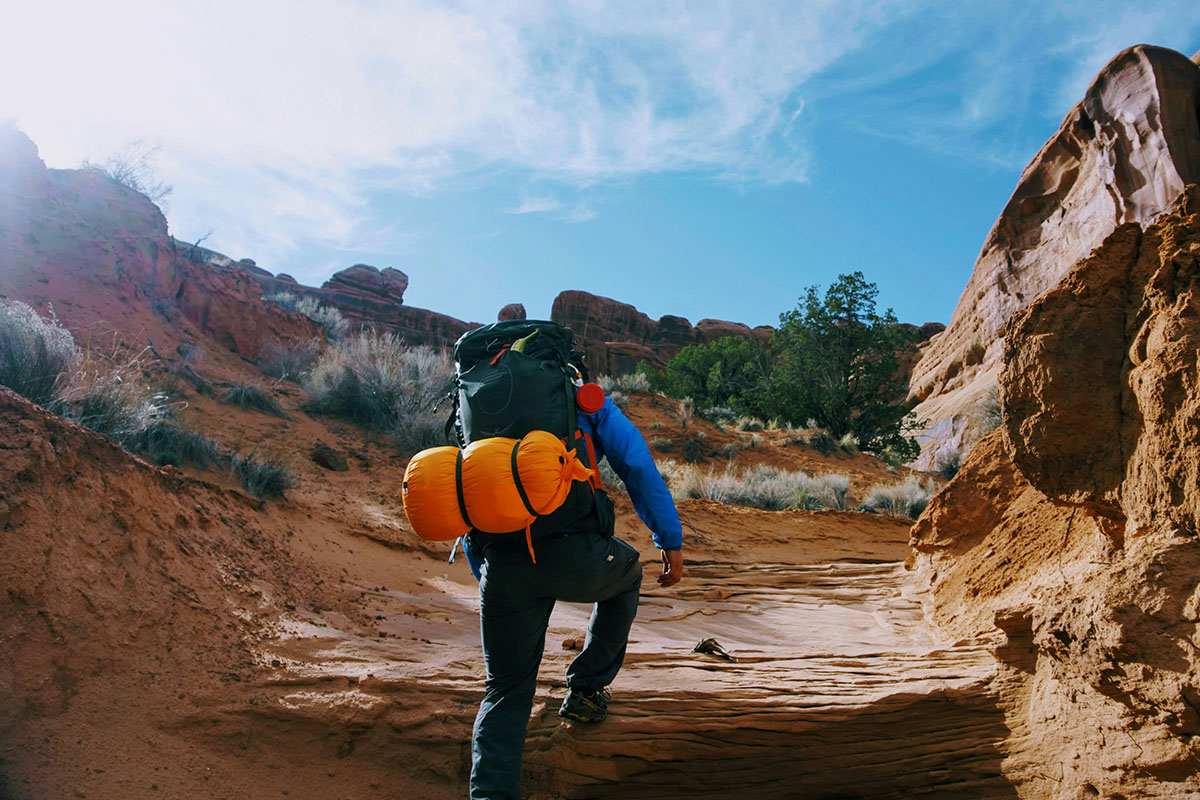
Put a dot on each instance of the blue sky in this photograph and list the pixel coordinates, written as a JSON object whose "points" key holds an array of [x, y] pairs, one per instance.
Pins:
{"points": [[701, 159]]}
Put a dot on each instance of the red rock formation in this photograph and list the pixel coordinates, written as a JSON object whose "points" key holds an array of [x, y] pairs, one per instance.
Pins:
{"points": [[73, 238], [618, 337], [1075, 529], [1123, 154], [373, 298], [511, 311], [365, 283], [99, 254]]}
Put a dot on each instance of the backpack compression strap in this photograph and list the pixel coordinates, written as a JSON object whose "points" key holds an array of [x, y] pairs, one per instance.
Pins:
{"points": [[458, 485]]}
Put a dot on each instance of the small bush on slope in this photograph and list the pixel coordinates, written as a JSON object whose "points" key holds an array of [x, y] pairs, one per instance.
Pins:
{"points": [[376, 382], [332, 320], [289, 361], [906, 499], [261, 477], [632, 382], [761, 486], [244, 395], [37, 356]]}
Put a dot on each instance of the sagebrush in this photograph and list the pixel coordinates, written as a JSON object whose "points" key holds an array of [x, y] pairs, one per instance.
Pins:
{"points": [[329, 318], [37, 355], [906, 499], [375, 381]]}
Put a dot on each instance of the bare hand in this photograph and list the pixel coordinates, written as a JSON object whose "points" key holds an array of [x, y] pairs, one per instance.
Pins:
{"points": [[672, 568]]}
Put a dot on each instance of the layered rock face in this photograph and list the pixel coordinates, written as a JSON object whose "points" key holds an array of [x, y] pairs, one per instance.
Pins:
{"points": [[1074, 530], [98, 254], [618, 337], [1122, 155], [76, 235]]}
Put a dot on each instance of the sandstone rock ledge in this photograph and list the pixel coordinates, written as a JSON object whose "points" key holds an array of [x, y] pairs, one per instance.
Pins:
{"points": [[1075, 528]]}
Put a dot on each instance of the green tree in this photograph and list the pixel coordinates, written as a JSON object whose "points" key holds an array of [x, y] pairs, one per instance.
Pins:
{"points": [[732, 371], [839, 363]]}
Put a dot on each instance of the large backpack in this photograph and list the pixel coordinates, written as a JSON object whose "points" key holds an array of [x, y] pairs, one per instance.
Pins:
{"points": [[514, 377]]}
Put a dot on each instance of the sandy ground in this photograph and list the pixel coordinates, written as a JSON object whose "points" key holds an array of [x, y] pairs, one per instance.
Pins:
{"points": [[170, 637]]}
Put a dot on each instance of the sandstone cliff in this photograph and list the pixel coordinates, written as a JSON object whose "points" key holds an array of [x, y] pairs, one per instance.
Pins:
{"points": [[1122, 155], [1074, 530]]}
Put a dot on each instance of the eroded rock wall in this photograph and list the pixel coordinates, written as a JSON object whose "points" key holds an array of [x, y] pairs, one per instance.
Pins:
{"points": [[1074, 529], [1122, 155]]}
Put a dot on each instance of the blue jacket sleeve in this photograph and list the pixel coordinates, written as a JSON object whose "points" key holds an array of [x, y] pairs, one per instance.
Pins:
{"points": [[619, 439]]}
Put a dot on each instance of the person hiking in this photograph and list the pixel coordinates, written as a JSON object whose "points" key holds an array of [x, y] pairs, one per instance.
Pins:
{"points": [[581, 562]]}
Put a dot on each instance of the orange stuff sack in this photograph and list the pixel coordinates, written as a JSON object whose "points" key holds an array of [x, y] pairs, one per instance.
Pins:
{"points": [[448, 492], [430, 496]]}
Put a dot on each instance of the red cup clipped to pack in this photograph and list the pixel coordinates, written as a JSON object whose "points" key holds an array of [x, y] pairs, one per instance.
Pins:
{"points": [[589, 398]]}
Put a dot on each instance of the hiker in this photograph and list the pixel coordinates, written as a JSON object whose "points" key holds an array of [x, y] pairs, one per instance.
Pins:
{"points": [[583, 562]]}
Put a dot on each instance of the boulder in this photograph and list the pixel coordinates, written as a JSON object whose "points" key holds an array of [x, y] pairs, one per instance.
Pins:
{"points": [[511, 311], [366, 283]]}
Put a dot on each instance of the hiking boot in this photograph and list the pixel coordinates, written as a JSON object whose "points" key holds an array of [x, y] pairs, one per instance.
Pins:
{"points": [[586, 705]]}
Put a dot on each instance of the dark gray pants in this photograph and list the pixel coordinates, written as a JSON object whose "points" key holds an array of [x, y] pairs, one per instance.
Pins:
{"points": [[516, 597]]}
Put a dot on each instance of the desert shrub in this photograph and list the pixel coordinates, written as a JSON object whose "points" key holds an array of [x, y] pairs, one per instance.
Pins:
{"points": [[656, 425], [133, 167], [328, 317], [823, 443], [828, 491], [948, 462], [749, 424], [849, 443], [620, 399], [906, 499], [893, 456], [113, 399], [729, 450], [760, 486], [990, 412], [693, 448], [37, 355], [190, 352], [419, 431], [753, 442], [261, 477], [732, 371], [166, 443], [684, 412], [376, 382], [630, 382], [609, 475], [289, 361], [662, 444], [244, 395], [719, 415]]}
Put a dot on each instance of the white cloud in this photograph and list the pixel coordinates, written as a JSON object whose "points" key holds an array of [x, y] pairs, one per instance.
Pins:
{"points": [[534, 205], [278, 118]]}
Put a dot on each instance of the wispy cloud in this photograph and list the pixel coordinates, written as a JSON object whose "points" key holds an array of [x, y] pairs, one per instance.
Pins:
{"points": [[534, 205], [279, 120], [581, 213]]}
